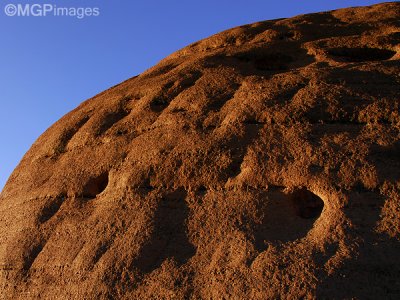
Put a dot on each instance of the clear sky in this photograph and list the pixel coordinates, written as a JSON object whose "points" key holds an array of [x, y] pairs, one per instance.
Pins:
{"points": [[50, 64]]}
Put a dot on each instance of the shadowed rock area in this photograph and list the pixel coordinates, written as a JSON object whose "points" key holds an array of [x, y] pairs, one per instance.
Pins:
{"points": [[260, 163]]}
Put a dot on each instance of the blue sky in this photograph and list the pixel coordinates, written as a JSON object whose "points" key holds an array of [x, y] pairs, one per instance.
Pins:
{"points": [[48, 65]]}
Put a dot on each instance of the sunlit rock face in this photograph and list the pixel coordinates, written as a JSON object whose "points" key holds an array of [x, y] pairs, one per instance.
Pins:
{"points": [[260, 163]]}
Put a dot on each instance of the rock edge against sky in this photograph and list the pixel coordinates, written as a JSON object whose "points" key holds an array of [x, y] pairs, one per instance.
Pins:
{"points": [[262, 162]]}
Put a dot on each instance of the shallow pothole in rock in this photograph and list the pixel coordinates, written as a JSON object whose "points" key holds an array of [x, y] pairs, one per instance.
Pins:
{"points": [[361, 54], [169, 238], [95, 185], [306, 204], [286, 217], [159, 104], [50, 208], [275, 61]]}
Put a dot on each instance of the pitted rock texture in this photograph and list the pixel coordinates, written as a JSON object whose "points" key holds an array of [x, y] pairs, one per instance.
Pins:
{"points": [[260, 163]]}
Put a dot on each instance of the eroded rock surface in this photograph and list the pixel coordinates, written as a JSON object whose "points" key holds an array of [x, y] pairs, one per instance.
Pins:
{"points": [[262, 162]]}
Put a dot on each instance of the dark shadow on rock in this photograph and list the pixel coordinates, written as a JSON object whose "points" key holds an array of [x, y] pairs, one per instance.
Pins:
{"points": [[286, 217], [373, 272], [373, 83], [112, 118], [50, 208], [172, 89], [263, 61], [95, 185], [31, 256], [169, 237], [360, 54], [239, 145], [386, 160]]}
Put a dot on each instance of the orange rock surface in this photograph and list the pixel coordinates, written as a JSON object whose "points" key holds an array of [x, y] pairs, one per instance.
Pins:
{"points": [[260, 163]]}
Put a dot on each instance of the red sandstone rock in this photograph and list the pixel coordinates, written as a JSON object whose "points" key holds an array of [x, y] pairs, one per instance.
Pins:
{"points": [[260, 163]]}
